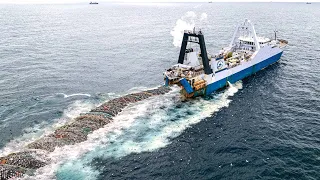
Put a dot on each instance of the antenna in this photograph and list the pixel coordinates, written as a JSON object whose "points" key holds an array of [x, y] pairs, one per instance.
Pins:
{"points": [[275, 34]]}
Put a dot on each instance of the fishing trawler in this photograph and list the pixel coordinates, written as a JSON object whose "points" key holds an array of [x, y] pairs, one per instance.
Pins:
{"points": [[199, 73]]}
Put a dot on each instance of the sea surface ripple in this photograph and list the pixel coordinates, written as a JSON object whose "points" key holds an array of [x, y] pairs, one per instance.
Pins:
{"points": [[58, 61]]}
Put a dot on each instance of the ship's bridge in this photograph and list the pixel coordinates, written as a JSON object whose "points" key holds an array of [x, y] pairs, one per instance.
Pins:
{"points": [[246, 39], [248, 43]]}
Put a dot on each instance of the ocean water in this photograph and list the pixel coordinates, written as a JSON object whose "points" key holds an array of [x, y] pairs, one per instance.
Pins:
{"points": [[57, 61]]}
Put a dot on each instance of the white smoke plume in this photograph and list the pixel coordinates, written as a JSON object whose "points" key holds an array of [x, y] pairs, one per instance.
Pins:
{"points": [[187, 22], [203, 17]]}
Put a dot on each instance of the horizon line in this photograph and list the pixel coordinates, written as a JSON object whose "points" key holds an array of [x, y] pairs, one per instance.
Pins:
{"points": [[163, 2]]}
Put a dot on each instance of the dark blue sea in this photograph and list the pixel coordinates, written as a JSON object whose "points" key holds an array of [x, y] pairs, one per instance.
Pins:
{"points": [[57, 61]]}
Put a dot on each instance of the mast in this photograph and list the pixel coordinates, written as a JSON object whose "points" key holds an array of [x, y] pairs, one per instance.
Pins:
{"points": [[234, 36], [254, 34], [247, 27]]}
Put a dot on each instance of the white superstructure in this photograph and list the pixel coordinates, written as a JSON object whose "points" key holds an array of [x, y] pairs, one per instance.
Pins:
{"points": [[247, 53]]}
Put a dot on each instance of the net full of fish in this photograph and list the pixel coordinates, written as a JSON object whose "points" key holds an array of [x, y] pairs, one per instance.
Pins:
{"points": [[28, 161]]}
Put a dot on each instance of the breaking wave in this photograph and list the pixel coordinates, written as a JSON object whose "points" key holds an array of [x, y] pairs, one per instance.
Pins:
{"points": [[71, 95], [141, 127], [187, 22]]}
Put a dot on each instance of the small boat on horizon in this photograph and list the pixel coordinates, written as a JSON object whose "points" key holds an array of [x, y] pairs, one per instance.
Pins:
{"points": [[93, 3], [308, 2]]}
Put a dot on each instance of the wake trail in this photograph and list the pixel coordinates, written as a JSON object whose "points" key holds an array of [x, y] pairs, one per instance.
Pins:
{"points": [[44, 128], [141, 127]]}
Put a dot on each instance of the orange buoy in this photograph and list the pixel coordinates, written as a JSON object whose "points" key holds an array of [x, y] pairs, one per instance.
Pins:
{"points": [[3, 161]]}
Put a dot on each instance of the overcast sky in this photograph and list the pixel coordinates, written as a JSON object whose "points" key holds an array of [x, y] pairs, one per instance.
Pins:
{"points": [[101, 1]]}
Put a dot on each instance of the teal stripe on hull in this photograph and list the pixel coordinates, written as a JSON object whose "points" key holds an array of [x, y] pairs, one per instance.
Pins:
{"points": [[242, 74]]}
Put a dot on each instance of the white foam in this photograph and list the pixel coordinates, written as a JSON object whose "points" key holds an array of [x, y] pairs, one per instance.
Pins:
{"points": [[68, 153], [44, 128], [138, 89], [76, 94], [144, 126]]}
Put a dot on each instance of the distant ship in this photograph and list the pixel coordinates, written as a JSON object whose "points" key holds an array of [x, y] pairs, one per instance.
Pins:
{"points": [[93, 3], [199, 73], [308, 2]]}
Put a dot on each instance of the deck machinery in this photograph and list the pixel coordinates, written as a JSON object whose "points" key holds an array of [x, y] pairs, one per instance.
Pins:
{"points": [[199, 73]]}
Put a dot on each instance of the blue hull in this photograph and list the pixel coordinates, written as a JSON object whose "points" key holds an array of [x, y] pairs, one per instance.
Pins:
{"points": [[242, 74]]}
